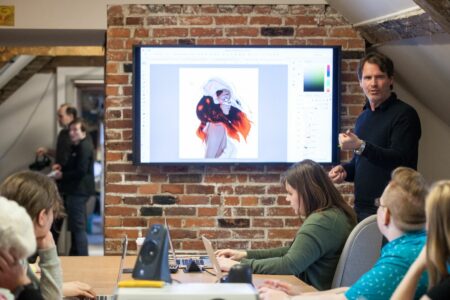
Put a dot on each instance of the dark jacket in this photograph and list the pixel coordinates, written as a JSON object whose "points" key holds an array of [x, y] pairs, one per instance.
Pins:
{"points": [[78, 172]]}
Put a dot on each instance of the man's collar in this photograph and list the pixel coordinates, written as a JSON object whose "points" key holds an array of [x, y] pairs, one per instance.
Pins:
{"points": [[384, 105]]}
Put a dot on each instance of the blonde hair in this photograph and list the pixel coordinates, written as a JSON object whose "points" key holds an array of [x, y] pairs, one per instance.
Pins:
{"points": [[406, 201], [34, 191], [438, 240], [16, 229]]}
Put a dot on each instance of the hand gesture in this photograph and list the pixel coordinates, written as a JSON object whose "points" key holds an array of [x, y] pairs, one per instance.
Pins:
{"points": [[349, 141], [337, 174]]}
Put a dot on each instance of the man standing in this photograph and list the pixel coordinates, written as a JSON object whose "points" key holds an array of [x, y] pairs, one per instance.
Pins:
{"points": [[77, 184], [386, 135], [66, 114]]}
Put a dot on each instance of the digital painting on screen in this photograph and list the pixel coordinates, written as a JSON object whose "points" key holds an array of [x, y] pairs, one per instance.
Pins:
{"points": [[235, 104]]}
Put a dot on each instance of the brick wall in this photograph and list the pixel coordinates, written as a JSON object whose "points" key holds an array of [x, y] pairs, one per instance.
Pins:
{"points": [[236, 206]]}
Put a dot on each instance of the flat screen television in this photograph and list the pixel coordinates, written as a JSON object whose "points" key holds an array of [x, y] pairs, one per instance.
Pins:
{"points": [[235, 104]]}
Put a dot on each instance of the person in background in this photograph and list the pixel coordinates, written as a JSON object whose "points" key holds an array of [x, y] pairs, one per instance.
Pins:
{"points": [[66, 114], [76, 179], [39, 196], [386, 135], [17, 242], [401, 219], [435, 257], [315, 251]]}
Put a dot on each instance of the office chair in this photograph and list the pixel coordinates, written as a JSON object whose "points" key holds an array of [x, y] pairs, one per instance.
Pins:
{"points": [[361, 251]]}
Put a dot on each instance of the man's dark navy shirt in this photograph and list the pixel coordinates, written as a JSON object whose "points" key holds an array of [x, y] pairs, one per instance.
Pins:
{"points": [[391, 132]]}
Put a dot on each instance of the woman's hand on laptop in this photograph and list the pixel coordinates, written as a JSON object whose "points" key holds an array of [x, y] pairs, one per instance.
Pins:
{"points": [[231, 254], [78, 289], [226, 263]]}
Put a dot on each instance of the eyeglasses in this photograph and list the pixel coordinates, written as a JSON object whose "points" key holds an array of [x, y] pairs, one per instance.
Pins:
{"points": [[377, 202]]}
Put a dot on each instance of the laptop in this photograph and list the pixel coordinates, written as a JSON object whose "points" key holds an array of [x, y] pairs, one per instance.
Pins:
{"points": [[119, 274], [212, 257], [202, 261]]}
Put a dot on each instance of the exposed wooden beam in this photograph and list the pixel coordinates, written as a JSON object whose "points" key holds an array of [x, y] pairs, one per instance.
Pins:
{"points": [[26, 73], [439, 10], [400, 28], [7, 53]]}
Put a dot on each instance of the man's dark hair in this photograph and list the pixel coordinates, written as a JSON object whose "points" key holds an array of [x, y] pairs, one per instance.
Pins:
{"points": [[70, 110], [80, 121], [382, 61]]}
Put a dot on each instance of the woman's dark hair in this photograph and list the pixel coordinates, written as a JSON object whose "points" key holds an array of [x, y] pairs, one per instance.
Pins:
{"points": [[314, 186]]}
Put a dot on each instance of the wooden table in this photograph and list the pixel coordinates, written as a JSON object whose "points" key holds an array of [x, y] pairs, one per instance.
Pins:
{"points": [[100, 272]]}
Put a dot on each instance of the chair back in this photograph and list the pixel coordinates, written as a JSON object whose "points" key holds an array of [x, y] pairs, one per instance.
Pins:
{"points": [[361, 251]]}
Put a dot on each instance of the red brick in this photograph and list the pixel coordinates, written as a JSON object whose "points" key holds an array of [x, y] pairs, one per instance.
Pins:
{"points": [[195, 20], [192, 245], [311, 32], [119, 124], [113, 156], [141, 32], [230, 20], [265, 178], [280, 211], [231, 201], [172, 188], [208, 32], [148, 189], [265, 20], [116, 56], [134, 222], [220, 178], [121, 188], [170, 32], [193, 200], [242, 31], [119, 146], [113, 222], [260, 41], [120, 233], [120, 211], [262, 9], [215, 234], [115, 44], [249, 201], [199, 189], [134, 21], [249, 189], [292, 222], [342, 32], [117, 79], [199, 222], [267, 222], [109, 200], [113, 178], [118, 32], [207, 211], [247, 234], [300, 20]]}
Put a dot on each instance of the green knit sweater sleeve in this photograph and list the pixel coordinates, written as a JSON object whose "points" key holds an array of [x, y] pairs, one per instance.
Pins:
{"points": [[321, 234]]}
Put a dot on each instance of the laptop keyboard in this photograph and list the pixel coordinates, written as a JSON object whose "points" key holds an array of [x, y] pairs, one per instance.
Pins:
{"points": [[201, 261]]}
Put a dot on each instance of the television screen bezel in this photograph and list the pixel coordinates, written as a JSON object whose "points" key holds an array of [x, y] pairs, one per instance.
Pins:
{"points": [[136, 108]]}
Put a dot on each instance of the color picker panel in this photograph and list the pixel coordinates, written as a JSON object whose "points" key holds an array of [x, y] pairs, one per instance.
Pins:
{"points": [[314, 79]]}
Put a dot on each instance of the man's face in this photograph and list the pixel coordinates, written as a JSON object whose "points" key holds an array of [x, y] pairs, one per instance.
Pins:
{"points": [[63, 118], [375, 84], [225, 101], [76, 134]]}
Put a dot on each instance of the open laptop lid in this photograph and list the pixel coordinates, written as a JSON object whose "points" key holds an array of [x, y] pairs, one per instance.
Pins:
{"points": [[122, 259], [172, 250], [212, 257]]}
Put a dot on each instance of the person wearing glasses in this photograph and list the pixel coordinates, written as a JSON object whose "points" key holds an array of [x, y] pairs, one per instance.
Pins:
{"points": [[401, 219]]}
